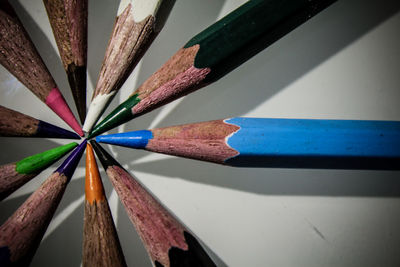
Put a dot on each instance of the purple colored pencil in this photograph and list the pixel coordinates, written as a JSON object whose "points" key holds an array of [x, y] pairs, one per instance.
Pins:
{"points": [[21, 234]]}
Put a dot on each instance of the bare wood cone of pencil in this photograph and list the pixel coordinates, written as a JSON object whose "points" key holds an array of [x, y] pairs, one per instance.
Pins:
{"points": [[20, 57], [21, 234], [166, 240], [101, 245], [68, 20], [136, 26]]}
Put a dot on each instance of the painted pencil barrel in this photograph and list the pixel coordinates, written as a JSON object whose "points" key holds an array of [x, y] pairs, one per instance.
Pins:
{"points": [[351, 143], [262, 142]]}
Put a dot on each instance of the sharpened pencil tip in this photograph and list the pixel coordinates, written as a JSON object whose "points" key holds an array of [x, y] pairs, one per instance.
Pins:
{"points": [[93, 186], [106, 159], [118, 116], [69, 165], [77, 81], [135, 139]]}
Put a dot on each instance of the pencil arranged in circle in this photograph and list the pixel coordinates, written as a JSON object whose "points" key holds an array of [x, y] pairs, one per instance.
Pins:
{"points": [[137, 24], [14, 175], [14, 123], [20, 57], [260, 142], [101, 245], [166, 240], [68, 20], [21, 234], [213, 53]]}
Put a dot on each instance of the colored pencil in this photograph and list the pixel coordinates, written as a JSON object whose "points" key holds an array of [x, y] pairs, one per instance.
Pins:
{"points": [[166, 240], [259, 142], [213, 53], [20, 57], [137, 24], [14, 175], [101, 245], [68, 20], [14, 123], [21, 234]]}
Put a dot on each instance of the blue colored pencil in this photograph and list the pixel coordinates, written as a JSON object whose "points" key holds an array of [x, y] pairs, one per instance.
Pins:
{"points": [[261, 142]]}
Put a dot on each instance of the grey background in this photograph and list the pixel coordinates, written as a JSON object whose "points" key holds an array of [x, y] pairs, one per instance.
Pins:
{"points": [[342, 64]]}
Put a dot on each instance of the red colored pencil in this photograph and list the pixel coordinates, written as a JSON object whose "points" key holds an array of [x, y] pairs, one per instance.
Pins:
{"points": [[20, 57]]}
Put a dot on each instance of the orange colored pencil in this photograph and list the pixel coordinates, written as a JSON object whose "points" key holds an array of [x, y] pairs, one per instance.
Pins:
{"points": [[101, 245]]}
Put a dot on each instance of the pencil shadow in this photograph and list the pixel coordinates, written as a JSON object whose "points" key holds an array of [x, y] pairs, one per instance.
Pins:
{"points": [[255, 82], [137, 255], [185, 20], [64, 244], [9, 206], [284, 62], [46, 50], [275, 181]]}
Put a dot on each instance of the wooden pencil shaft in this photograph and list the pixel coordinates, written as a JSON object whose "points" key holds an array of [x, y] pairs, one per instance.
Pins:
{"points": [[166, 240], [213, 53], [136, 26], [68, 20], [11, 180], [129, 41], [19, 56], [14, 175], [14, 123], [101, 245], [21, 234], [232, 40]]}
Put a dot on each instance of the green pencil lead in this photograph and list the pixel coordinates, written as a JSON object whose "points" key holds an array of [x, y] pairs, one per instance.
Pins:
{"points": [[42, 160]]}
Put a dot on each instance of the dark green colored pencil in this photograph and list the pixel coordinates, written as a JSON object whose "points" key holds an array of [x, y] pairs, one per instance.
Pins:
{"points": [[215, 52]]}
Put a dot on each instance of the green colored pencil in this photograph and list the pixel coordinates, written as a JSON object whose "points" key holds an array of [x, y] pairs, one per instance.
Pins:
{"points": [[14, 175], [213, 53]]}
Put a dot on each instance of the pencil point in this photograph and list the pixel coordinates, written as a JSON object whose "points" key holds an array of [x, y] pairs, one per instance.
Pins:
{"points": [[77, 81], [69, 165], [93, 186], [120, 115], [51, 131], [96, 109], [57, 103], [105, 158], [135, 139]]}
